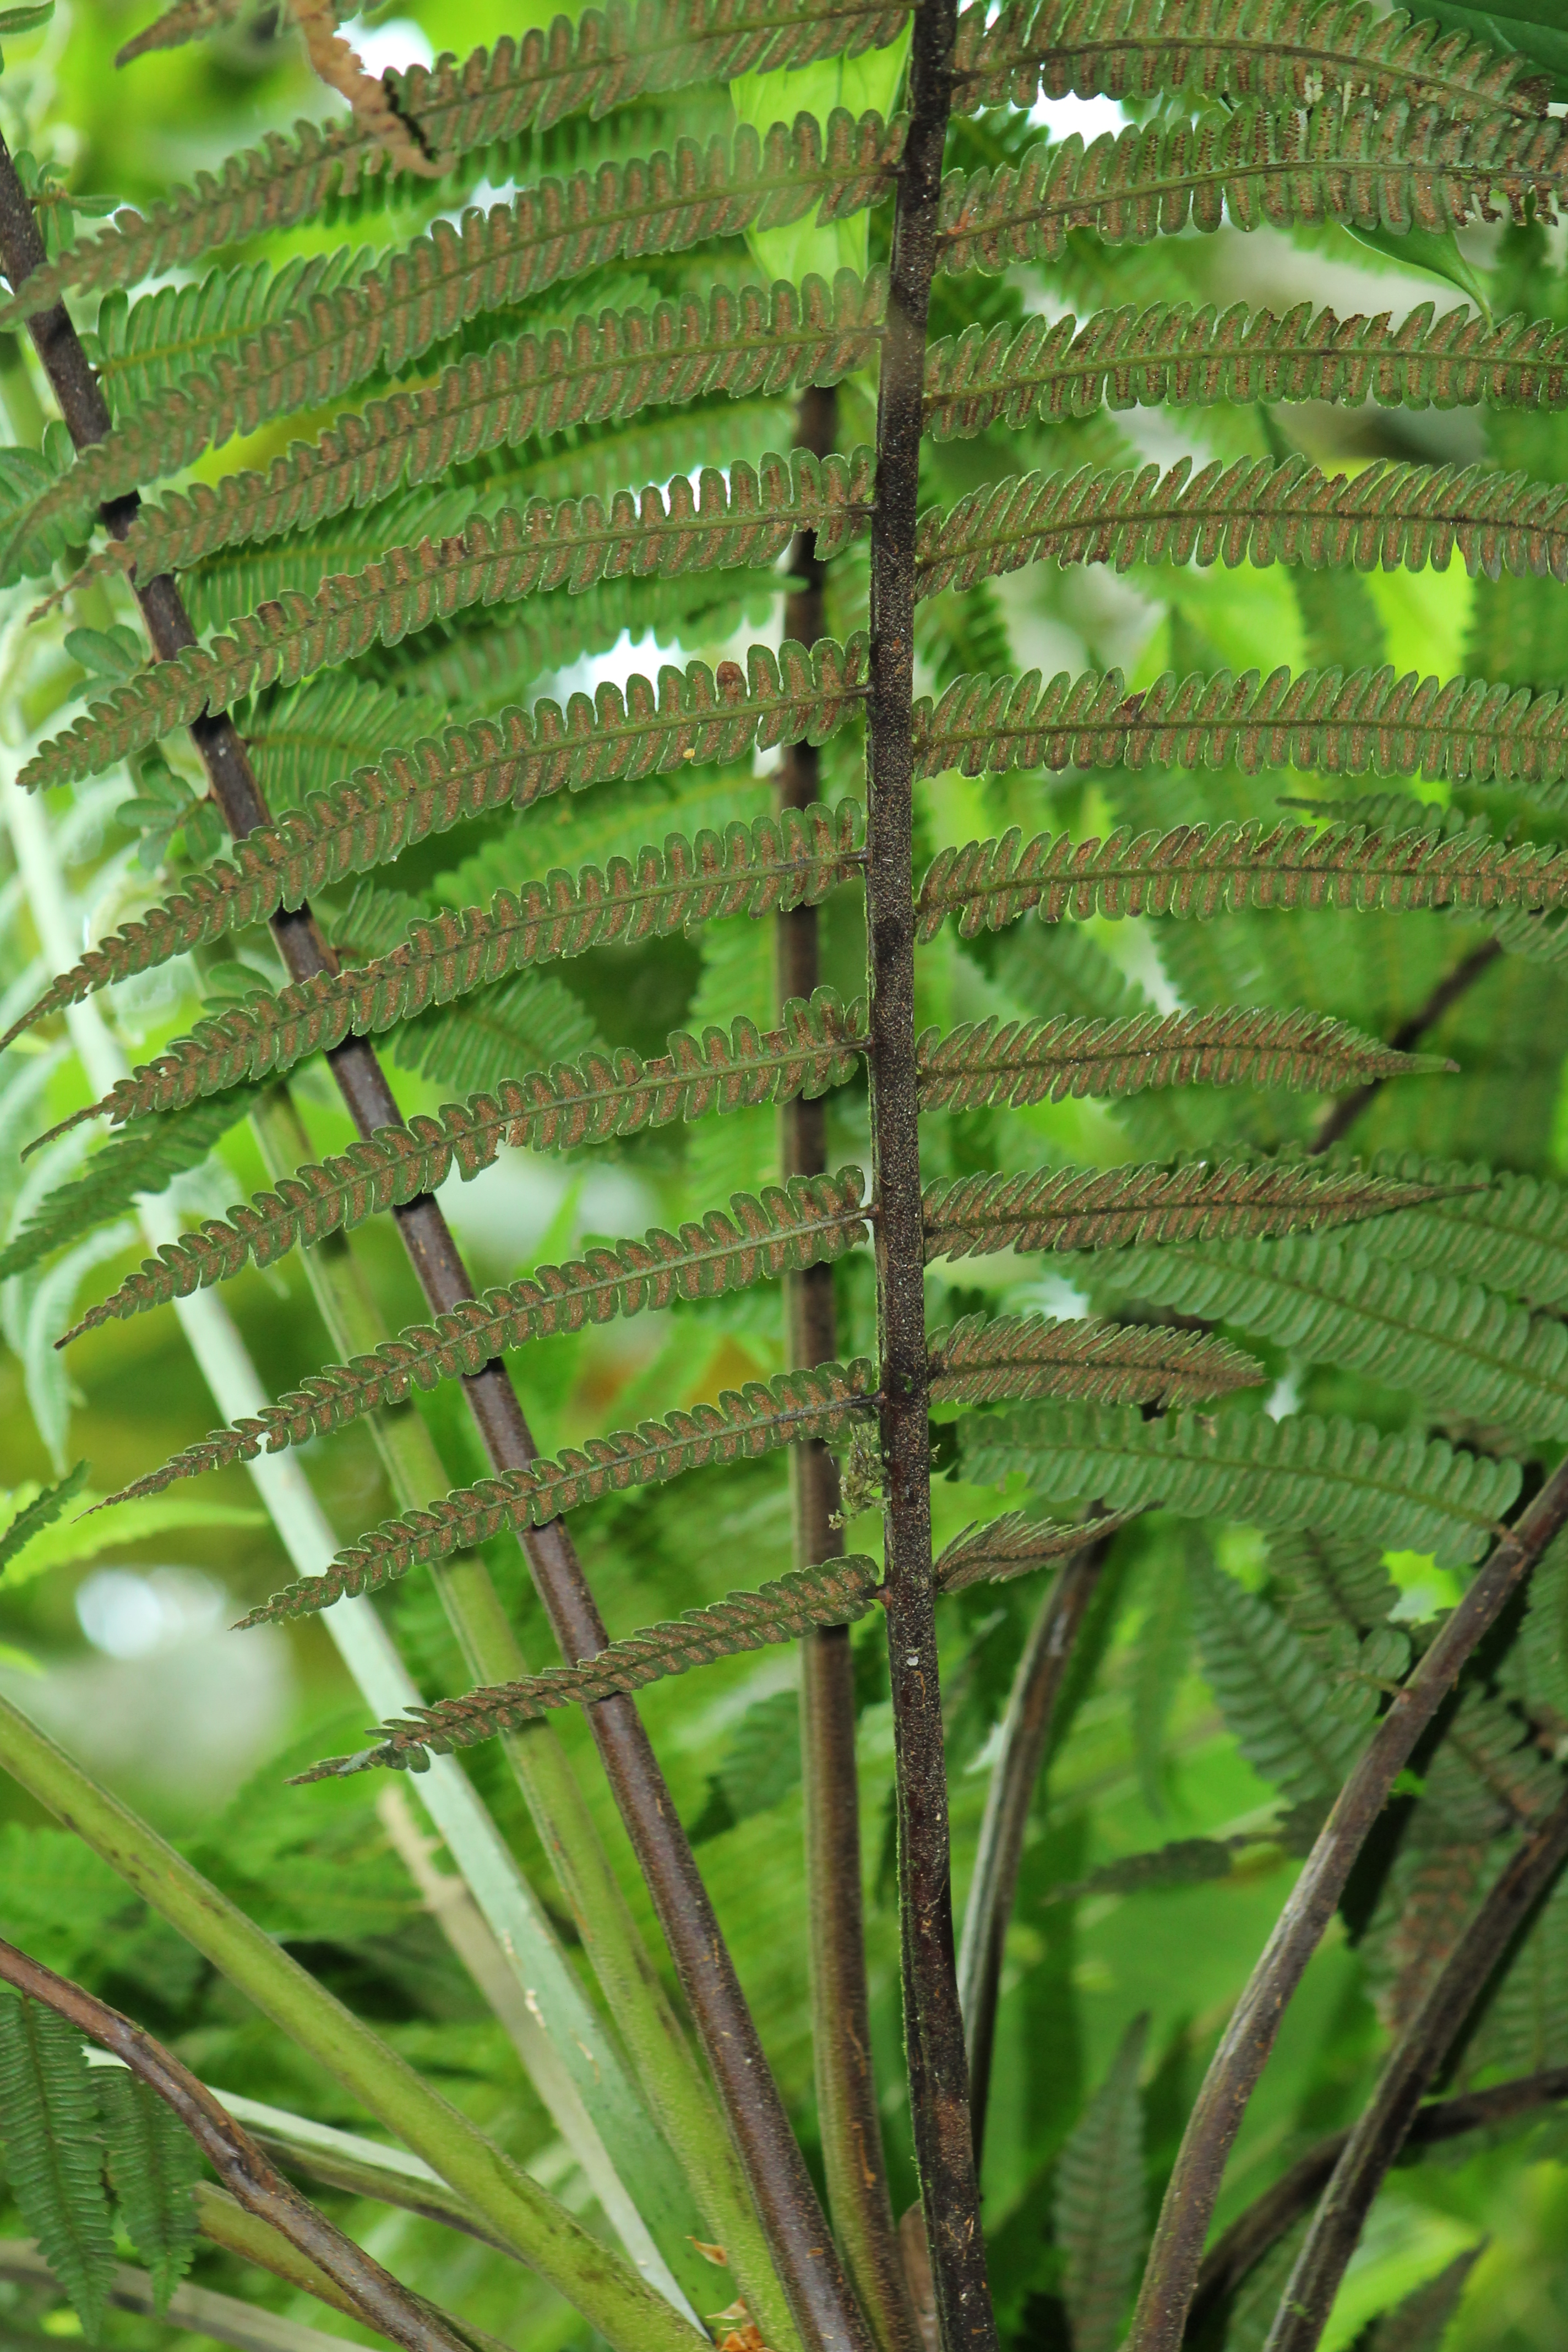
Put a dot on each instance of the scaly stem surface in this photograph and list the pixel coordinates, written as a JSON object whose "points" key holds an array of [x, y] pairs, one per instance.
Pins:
{"points": [[1171, 2275], [1381, 2129], [934, 2026], [819, 2295], [1025, 1735], [629, 2313], [851, 2128], [372, 2293]]}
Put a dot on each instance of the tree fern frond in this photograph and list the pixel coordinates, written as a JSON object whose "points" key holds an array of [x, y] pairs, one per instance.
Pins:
{"points": [[144, 350], [790, 861], [308, 738], [1099, 2217], [1407, 168], [1461, 1346], [188, 20], [54, 2158], [1410, 1491], [485, 101], [1019, 1062], [742, 341], [839, 1592], [1370, 720], [1171, 352], [743, 1423], [1251, 510], [747, 520], [145, 1159], [401, 306], [154, 2165], [809, 1221], [982, 1360], [1335, 1591], [1108, 1208], [1279, 1704], [40, 1513], [1201, 871], [1244, 48], [600, 1094], [1507, 1231], [1012, 1545]]}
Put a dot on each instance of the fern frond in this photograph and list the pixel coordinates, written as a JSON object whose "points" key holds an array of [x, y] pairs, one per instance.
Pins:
{"points": [[54, 2158], [1251, 511], [483, 102], [384, 320], [793, 860], [1457, 1345], [308, 738], [982, 1360], [742, 341], [1108, 1208], [1198, 871], [1410, 1491], [1018, 1062], [1370, 720], [1171, 352], [144, 1160], [154, 2165], [1099, 2194], [143, 350], [743, 1423], [1408, 168], [747, 520], [600, 1094], [1243, 48], [839, 1592], [809, 1221], [1279, 1705], [1507, 1231], [42, 1512], [1015, 1544]]}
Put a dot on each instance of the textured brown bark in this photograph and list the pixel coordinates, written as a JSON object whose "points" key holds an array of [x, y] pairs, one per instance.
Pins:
{"points": [[809, 2269], [1171, 2278], [239, 2164], [840, 2007], [934, 2026]]}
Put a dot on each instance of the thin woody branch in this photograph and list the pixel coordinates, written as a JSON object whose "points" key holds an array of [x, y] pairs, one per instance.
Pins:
{"points": [[247, 2175], [1337, 1122], [1171, 2276], [933, 2024], [1380, 2130], [803, 2248]]}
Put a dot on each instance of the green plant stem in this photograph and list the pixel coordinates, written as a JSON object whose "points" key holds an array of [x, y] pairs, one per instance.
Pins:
{"points": [[562, 2026], [599, 2283], [1026, 1736], [1381, 2129], [1171, 2275], [852, 2154], [369, 2291], [819, 2295], [638, 2002], [933, 2025]]}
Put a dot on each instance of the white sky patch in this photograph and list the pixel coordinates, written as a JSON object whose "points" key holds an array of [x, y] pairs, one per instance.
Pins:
{"points": [[1089, 116], [399, 43]]}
